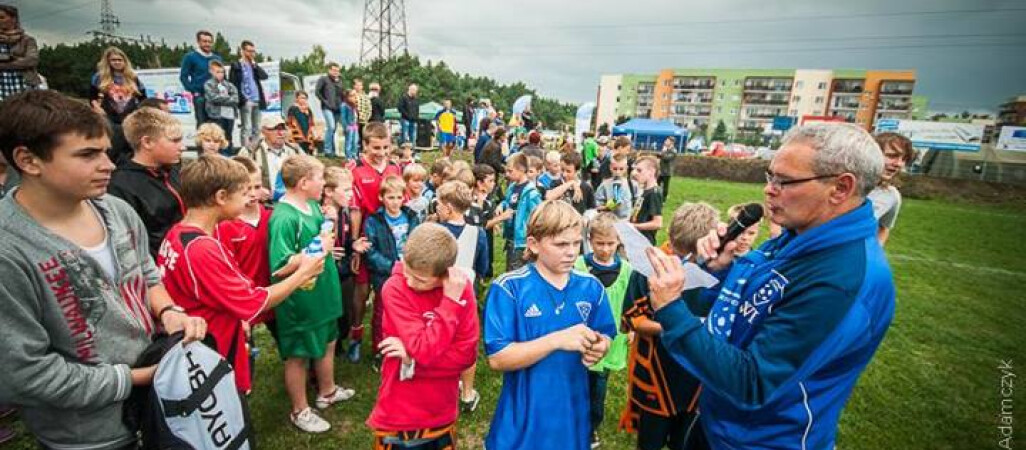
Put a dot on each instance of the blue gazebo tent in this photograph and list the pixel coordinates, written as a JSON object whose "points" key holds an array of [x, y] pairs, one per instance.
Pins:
{"points": [[649, 134]]}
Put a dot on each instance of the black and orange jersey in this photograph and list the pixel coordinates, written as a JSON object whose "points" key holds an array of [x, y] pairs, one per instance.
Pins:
{"points": [[657, 384]]}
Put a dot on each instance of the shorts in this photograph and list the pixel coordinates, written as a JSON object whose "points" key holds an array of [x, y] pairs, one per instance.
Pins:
{"points": [[309, 343], [441, 438], [446, 138], [362, 275]]}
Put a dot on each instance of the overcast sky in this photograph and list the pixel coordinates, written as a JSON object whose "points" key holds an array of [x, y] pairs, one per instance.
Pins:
{"points": [[969, 54]]}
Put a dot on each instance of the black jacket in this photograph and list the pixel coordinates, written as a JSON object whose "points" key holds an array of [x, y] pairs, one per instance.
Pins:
{"points": [[491, 155], [377, 110], [153, 194], [409, 107], [235, 78], [329, 92]]}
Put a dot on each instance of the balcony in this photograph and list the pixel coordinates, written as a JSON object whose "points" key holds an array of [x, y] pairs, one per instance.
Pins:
{"points": [[768, 84], [896, 88], [765, 99], [894, 107], [896, 93], [693, 99], [693, 112], [849, 87], [694, 83]]}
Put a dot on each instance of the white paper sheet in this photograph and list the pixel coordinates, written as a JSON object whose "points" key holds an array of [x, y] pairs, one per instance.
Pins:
{"points": [[635, 243]]}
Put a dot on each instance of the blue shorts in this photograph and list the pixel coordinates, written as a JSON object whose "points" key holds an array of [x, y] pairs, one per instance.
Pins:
{"points": [[446, 138]]}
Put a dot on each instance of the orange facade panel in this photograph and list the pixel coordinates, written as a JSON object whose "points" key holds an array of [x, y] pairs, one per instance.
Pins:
{"points": [[663, 95], [866, 115]]}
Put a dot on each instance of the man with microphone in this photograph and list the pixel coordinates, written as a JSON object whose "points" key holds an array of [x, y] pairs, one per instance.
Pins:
{"points": [[795, 322]]}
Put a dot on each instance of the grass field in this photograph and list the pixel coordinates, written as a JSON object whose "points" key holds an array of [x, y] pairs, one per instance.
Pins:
{"points": [[933, 384]]}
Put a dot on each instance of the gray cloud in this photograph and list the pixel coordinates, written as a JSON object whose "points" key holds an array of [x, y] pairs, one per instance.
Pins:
{"points": [[967, 59]]}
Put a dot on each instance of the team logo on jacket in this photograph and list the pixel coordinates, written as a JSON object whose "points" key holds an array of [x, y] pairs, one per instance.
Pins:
{"points": [[585, 309], [533, 311]]}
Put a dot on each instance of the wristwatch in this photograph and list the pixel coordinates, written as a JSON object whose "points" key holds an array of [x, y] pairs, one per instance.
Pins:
{"points": [[175, 308]]}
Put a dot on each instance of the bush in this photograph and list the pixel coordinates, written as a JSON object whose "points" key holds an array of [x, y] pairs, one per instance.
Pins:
{"points": [[912, 186]]}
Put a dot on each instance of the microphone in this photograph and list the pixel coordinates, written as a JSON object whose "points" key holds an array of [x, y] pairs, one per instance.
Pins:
{"points": [[749, 215]]}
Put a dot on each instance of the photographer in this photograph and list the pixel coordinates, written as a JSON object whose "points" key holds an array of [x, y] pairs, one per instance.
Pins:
{"points": [[796, 321]]}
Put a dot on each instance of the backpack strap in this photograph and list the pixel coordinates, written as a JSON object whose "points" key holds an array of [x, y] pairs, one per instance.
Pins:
{"points": [[241, 438], [191, 403]]}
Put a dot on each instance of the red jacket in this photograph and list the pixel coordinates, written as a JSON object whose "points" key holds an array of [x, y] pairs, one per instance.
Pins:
{"points": [[440, 335]]}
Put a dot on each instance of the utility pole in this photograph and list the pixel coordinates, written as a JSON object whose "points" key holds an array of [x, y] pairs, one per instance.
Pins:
{"points": [[109, 23], [384, 30]]}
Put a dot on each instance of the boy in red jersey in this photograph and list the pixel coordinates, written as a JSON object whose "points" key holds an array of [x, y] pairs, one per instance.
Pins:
{"points": [[368, 174], [202, 277], [431, 328]]}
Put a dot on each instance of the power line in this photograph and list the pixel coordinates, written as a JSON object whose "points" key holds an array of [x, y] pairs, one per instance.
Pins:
{"points": [[729, 21], [541, 52], [58, 11]]}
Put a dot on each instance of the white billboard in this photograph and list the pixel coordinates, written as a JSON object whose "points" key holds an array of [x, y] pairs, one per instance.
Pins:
{"points": [[164, 84], [936, 135], [1012, 139]]}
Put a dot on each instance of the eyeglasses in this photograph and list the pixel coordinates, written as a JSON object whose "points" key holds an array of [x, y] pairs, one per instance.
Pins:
{"points": [[777, 183]]}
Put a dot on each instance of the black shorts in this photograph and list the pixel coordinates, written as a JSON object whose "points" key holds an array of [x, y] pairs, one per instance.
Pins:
{"points": [[680, 432]]}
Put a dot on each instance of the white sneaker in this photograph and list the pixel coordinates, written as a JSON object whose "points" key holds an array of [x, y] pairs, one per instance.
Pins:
{"points": [[308, 421], [338, 395]]}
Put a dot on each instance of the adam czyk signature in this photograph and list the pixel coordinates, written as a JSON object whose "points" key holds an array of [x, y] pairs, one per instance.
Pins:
{"points": [[1005, 411]]}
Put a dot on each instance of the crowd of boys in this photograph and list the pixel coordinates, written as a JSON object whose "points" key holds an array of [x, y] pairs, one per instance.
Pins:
{"points": [[99, 259]]}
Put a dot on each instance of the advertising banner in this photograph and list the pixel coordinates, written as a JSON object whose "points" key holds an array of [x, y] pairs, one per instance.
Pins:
{"points": [[164, 84], [936, 135], [1012, 139]]}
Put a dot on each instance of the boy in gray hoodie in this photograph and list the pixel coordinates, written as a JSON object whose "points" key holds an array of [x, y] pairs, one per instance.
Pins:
{"points": [[80, 294]]}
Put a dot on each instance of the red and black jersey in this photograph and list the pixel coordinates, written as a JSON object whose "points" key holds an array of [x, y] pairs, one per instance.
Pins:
{"points": [[202, 277], [367, 184]]}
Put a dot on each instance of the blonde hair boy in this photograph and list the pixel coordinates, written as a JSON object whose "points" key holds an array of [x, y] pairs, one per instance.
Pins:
{"points": [[691, 221]]}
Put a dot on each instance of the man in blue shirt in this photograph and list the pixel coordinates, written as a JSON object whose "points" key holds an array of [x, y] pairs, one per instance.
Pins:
{"points": [[545, 324], [195, 72], [247, 75], [794, 323]]}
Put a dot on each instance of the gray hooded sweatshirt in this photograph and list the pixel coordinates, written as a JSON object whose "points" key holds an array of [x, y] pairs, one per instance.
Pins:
{"points": [[68, 332]]}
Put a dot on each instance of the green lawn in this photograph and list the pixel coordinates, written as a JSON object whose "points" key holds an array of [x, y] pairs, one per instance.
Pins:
{"points": [[933, 384]]}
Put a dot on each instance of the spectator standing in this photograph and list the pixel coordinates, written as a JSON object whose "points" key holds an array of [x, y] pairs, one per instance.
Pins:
{"points": [[409, 112], [329, 92], [195, 72], [116, 92], [246, 75], [222, 101], [19, 55], [270, 151], [363, 108], [377, 107]]}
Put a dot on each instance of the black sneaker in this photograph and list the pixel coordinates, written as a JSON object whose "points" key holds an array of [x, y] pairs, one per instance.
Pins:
{"points": [[376, 364]]}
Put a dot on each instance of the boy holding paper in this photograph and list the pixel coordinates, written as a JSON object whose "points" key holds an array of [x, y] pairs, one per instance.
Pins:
{"points": [[661, 395]]}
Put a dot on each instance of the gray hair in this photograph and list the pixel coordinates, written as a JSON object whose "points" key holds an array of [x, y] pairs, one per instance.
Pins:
{"points": [[842, 148]]}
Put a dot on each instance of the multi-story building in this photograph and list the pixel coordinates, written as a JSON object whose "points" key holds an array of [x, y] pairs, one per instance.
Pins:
{"points": [[747, 100], [1013, 112]]}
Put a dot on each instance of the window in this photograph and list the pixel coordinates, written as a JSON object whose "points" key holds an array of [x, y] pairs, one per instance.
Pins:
{"points": [[797, 98], [819, 100], [735, 97], [800, 84], [723, 82], [733, 111], [618, 87], [719, 110], [618, 99], [822, 86], [719, 96], [737, 82], [794, 113]]}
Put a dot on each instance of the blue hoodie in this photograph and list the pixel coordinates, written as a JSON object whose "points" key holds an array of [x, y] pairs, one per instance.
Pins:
{"points": [[793, 326], [529, 199]]}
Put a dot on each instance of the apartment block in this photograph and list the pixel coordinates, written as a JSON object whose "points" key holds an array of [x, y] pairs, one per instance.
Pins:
{"points": [[747, 100]]}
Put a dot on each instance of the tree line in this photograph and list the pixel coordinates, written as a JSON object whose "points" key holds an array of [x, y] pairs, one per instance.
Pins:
{"points": [[68, 68]]}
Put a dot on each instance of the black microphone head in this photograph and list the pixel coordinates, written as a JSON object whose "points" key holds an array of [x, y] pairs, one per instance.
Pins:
{"points": [[750, 214]]}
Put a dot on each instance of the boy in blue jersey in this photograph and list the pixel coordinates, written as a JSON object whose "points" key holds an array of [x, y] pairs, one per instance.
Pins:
{"points": [[545, 324]]}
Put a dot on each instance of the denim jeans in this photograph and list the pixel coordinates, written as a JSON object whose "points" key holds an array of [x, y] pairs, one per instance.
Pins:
{"points": [[409, 132], [352, 144], [227, 126], [199, 109], [597, 392], [331, 122], [250, 113]]}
